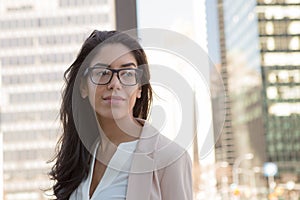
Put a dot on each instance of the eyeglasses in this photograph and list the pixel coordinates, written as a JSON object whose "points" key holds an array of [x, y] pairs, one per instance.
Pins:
{"points": [[103, 75]]}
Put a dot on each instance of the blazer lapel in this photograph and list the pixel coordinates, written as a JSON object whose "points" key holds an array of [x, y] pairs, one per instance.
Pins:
{"points": [[143, 165]]}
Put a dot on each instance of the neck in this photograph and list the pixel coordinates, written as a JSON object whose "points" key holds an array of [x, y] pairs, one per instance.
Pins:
{"points": [[122, 130]]}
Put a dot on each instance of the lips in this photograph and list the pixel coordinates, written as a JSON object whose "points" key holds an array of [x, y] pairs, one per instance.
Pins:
{"points": [[117, 98], [113, 100]]}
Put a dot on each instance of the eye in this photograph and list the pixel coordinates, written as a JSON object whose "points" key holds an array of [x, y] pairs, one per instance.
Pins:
{"points": [[105, 72], [128, 73], [102, 72]]}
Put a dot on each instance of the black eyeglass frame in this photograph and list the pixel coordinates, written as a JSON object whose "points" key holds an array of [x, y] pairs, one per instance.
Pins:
{"points": [[138, 74]]}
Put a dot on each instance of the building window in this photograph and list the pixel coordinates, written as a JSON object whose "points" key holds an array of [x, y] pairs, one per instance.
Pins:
{"points": [[31, 78], [281, 59], [271, 43], [294, 27], [17, 60], [16, 42], [68, 3], [58, 21], [29, 135], [294, 43], [272, 77], [268, 1], [289, 92], [272, 93], [269, 28], [34, 97]]}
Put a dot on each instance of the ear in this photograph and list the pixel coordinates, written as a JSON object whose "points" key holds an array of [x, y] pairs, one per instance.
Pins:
{"points": [[83, 89], [139, 93]]}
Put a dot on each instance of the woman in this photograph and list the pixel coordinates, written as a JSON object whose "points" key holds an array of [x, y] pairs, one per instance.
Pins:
{"points": [[107, 149]]}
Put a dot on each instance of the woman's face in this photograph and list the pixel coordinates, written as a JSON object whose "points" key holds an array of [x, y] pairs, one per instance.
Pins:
{"points": [[113, 100]]}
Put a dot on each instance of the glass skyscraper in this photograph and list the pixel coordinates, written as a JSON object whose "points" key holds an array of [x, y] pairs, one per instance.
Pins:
{"points": [[239, 64], [259, 61], [279, 32]]}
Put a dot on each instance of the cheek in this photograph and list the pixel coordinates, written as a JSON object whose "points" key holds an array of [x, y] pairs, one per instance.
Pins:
{"points": [[94, 94], [132, 102], [134, 95]]}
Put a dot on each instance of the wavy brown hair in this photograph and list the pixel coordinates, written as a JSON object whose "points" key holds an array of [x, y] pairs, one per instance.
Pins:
{"points": [[72, 159]]}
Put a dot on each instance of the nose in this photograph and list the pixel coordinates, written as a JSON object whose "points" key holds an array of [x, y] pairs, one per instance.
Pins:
{"points": [[114, 82]]}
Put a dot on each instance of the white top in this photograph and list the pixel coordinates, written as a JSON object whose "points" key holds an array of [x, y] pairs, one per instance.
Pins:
{"points": [[113, 185]]}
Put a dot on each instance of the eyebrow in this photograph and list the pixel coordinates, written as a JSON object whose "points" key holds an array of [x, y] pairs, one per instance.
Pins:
{"points": [[123, 65], [128, 64]]}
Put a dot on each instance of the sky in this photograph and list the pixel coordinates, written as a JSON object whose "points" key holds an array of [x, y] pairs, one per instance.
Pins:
{"points": [[157, 13]]}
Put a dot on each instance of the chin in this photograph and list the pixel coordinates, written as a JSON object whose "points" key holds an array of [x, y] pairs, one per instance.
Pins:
{"points": [[117, 115]]}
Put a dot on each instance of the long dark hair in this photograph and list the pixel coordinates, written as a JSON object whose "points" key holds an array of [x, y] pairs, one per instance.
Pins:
{"points": [[72, 159]]}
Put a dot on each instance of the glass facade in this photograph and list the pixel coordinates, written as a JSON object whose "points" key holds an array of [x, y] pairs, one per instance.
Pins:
{"points": [[224, 147], [279, 30], [243, 130], [38, 41], [260, 50]]}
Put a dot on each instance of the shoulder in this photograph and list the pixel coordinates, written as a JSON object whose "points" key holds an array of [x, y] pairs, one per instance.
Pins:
{"points": [[164, 151], [169, 154]]}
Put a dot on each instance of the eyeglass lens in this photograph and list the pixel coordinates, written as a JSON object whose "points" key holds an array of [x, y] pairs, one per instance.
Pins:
{"points": [[103, 76]]}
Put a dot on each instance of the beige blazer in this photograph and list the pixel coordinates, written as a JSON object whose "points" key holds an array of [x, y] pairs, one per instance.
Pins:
{"points": [[161, 169]]}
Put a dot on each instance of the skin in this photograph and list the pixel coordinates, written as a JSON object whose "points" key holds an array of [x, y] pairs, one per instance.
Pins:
{"points": [[113, 104]]}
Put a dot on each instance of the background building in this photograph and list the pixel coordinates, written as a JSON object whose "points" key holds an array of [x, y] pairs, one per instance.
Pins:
{"points": [[258, 48], [38, 41], [239, 63], [225, 147], [243, 76], [279, 33]]}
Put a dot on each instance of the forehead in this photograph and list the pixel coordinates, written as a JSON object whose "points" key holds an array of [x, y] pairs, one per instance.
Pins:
{"points": [[113, 54]]}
